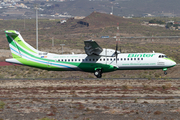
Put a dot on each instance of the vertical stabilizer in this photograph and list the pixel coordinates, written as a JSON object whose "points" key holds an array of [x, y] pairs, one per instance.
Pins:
{"points": [[17, 45]]}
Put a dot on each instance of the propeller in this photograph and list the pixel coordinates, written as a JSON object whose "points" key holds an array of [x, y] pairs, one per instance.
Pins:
{"points": [[116, 53], [120, 49], [117, 34]]}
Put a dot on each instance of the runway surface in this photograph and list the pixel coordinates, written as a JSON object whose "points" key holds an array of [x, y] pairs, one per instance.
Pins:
{"points": [[89, 98], [5, 64], [103, 99]]}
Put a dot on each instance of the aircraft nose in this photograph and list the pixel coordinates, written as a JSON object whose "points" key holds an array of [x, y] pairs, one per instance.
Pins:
{"points": [[174, 63]]}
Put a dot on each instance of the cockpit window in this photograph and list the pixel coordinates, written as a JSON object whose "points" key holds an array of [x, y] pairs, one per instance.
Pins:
{"points": [[163, 56]]}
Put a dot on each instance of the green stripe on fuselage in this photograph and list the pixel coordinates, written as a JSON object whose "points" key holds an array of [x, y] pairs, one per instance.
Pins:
{"points": [[169, 59], [87, 67], [90, 67], [36, 64], [23, 51]]}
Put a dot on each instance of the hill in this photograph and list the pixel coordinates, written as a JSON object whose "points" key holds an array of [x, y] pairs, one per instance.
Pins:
{"points": [[97, 20], [101, 20]]}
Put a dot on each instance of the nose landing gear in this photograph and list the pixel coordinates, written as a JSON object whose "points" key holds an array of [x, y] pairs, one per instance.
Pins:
{"points": [[165, 71]]}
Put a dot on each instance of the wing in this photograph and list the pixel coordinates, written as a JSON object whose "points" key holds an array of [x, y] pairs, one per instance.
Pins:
{"points": [[92, 48]]}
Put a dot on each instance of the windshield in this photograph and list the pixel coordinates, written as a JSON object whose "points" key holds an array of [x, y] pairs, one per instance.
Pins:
{"points": [[163, 56]]}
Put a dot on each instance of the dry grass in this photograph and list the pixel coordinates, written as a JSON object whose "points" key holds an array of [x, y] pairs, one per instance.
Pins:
{"points": [[167, 86], [157, 112], [2, 105]]}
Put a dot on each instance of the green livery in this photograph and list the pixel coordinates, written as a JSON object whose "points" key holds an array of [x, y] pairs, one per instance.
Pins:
{"points": [[96, 59]]}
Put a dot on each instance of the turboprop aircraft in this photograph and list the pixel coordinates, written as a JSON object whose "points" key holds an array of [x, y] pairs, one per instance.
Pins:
{"points": [[96, 59]]}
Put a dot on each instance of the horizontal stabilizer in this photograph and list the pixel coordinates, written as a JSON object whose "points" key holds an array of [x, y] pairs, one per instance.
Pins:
{"points": [[12, 60]]}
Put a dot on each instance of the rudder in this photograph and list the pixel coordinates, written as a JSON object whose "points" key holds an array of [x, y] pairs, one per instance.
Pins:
{"points": [[11, 35], [17, 44]]}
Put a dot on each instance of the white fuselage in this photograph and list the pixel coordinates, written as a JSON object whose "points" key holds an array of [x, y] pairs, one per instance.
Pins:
{"points": [[124, 60]]}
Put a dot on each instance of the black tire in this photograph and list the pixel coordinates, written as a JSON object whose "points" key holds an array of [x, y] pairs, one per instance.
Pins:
{"points": [[99, 76], [98, 73]]}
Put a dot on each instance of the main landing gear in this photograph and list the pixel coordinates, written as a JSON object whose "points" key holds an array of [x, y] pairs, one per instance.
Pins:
{"points": [[98, 73]]}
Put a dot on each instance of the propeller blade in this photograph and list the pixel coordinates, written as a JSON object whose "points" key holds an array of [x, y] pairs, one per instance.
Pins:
{"points": [[116, 46], [116, 51]]}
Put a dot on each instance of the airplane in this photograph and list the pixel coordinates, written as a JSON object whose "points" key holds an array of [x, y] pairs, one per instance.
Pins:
{"points": [[96, 60]]}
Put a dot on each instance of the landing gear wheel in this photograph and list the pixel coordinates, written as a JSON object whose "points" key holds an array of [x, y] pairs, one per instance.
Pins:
{"points": [[165, 72], [99, 76], [98, 73]]}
